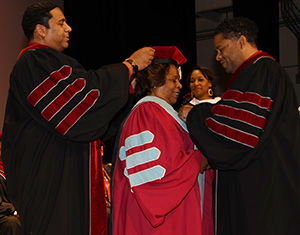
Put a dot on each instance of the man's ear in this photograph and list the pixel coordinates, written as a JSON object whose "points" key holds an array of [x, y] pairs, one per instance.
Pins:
{"points": [[242, 41], [41, 30]]}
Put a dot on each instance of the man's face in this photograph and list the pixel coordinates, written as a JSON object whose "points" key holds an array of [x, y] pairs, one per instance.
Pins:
{"points": [[57, 36], [228, 53]]}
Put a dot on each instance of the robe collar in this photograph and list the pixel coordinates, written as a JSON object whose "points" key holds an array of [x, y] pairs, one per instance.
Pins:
{"points": [[251, 60], [166, 106], [32, 46]]}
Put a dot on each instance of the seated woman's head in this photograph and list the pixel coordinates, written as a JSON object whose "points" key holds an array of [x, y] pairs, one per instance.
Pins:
{"points": [[161, 78]]}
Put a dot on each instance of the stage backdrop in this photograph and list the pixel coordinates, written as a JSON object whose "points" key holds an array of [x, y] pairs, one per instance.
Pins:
{"points": [[107, 32]]}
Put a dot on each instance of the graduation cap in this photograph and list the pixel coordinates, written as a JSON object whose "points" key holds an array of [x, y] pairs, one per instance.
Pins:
{"points": [[168, 55]]}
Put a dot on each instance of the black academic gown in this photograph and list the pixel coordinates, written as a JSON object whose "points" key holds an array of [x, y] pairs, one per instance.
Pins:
{"points": [[56, 111], [253, 137]]}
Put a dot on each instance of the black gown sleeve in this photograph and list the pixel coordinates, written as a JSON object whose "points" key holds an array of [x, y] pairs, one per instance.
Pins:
{"points": [[63, 97], [231, 133]]}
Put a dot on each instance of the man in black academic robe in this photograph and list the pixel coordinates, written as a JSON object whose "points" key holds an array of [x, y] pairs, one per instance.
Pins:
{"points": [[56, 112], [252, 136]]}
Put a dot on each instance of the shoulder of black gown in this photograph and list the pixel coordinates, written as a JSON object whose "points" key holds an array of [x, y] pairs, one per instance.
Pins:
{"points": [[63, 97]]}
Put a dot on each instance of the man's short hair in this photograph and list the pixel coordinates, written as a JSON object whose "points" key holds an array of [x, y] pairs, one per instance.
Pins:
{"points": [[237, 26], [37, 13]]}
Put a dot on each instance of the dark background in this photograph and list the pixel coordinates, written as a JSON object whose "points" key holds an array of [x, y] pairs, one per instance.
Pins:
{"points": [[109, 31], [106, 32]]}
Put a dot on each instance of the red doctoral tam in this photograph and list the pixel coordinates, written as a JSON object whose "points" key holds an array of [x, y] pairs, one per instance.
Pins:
{"points": [[168, 55]]}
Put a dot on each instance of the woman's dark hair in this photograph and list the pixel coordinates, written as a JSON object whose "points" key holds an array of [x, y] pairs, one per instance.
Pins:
{"points": [[153, 76], [36, 13], [206, 73], [235, 27]]}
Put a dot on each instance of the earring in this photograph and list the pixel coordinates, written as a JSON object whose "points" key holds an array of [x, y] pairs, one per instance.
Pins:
{"points": [[210, 92]]}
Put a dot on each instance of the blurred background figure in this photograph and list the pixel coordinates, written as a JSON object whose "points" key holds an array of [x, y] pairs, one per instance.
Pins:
{"points": [[9, 220], [201, 82]]}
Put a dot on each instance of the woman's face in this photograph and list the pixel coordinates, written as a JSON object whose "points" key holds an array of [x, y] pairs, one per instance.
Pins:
{"points": [[199, 85], [171, 89]]}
